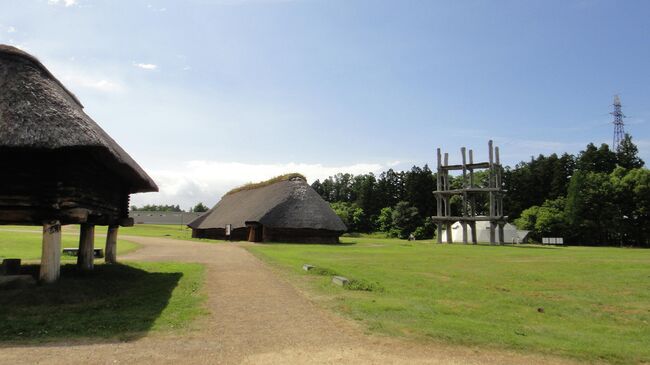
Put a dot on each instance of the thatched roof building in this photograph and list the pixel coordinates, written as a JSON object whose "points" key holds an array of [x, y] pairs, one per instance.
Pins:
{"points": [[284, 209], [57, 164]]}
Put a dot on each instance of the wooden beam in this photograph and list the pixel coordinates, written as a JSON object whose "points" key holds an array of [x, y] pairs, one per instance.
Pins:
{"points": [[50, 269], [86, 256], [111, 245], [472, 166], [501, 218]]}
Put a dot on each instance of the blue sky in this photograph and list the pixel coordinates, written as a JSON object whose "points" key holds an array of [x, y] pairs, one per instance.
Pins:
{"points": [[206, 95]]}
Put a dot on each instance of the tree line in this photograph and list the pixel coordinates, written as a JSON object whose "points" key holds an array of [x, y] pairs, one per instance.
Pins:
{"points": [[598, 196], [198, 208]]}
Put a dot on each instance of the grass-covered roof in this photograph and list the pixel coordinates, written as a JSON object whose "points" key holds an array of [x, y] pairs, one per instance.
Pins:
{"points": [[261, 184]]}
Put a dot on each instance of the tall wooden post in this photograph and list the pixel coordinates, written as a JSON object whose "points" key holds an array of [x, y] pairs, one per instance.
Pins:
{"points": [[86, 255], [447, 201], [472, 201], [111, 245], [438, 198], [50, 269], [464, 201], [491, 193], [499, 198]]}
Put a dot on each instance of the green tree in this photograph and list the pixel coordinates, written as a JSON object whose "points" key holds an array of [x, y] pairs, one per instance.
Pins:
{"points": [[405, 218], [350, 214], [627, 154], [594, 159], [384, 221], [199, 208], [590, 207], [551, 220]]}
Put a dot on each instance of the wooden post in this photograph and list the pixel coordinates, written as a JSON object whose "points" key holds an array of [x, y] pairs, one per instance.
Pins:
{"points": [[50, 269], [438, 197], [472, 225], [472, 201], [86, 255], [111, 245], [447, 203], [501, 238], [464, 200], [491, 193]]}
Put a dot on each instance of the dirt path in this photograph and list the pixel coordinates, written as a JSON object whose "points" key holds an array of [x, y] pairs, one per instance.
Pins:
{"points": [[255, 318]]}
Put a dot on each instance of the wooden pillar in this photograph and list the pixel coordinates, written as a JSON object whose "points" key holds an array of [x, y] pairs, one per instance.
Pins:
{"points": [[473, 227], [464, 200], [111, 245], [464, 225], [491, 193], [449, 239], [501, 238], [50, 269], [438, 196], [86, 255]]}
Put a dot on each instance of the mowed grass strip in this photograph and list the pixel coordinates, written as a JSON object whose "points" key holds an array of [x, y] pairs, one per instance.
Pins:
{"points": [[27, 244], [179, 232], [582, 302], [113, 302]]}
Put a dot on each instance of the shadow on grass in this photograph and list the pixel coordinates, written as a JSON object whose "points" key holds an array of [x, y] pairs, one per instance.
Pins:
{"points": [[112, 303]]}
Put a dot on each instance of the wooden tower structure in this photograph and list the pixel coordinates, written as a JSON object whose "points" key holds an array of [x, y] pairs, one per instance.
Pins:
{"points": [[468, 192]]}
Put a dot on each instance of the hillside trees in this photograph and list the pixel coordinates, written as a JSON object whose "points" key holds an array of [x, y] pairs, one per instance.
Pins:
{"points": [[599, 196]]}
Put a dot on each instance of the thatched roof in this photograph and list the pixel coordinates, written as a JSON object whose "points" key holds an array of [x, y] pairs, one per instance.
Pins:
{"points": [[284, 203], [38, 113]]}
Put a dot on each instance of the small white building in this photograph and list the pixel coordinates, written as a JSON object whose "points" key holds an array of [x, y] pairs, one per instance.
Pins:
{"points": [[510, 233]]}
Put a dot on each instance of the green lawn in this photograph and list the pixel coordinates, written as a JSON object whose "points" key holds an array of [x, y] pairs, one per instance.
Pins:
{"points": [[27, 245], [588, 303], [114, 302], [146, 230]]}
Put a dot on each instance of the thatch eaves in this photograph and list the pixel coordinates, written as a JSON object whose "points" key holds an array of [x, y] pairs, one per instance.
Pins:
{"points": [[38, 113]]}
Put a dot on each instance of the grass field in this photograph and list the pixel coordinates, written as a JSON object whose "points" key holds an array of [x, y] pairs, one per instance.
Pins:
{"points": [[112, 302], [146, 230], [582, 302], [115, 302], [27, 245]]}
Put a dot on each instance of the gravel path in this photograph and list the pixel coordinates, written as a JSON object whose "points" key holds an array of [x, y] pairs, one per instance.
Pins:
{"points": [[255, 318]]}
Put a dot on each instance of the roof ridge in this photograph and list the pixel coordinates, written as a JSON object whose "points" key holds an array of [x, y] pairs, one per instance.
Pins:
{"points": [[17, 52], [265, 183]]}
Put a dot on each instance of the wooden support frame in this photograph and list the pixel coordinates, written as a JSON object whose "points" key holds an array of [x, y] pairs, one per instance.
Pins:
{"points": [[111, 245], [86, 255], [468, 193], [50, 269]]}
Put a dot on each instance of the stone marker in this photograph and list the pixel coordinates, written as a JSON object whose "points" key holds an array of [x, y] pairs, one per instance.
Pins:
{"points": [[340, 280], [307, 267]]}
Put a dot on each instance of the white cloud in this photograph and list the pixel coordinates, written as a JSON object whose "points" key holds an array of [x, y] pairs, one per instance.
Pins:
{"points": [[80, 80], [207, 181], [11, 29], [66, 3], [146, 66]]}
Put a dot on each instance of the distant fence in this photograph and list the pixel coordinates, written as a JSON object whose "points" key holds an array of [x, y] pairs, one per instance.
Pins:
{"points": [[147, 217], [552, 241]]}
